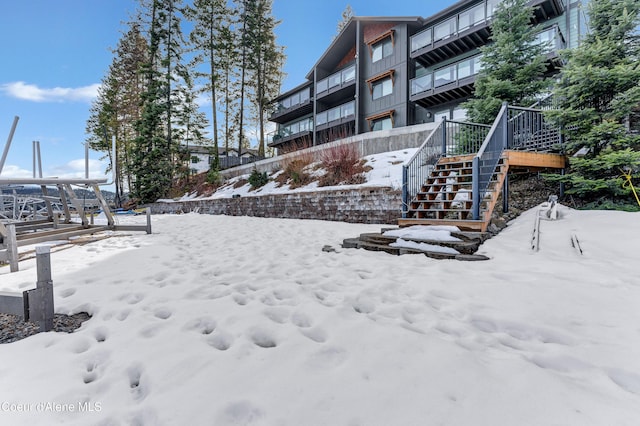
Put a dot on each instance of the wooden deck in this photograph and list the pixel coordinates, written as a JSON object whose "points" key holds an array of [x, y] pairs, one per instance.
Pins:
{"points": [[537, 160]]}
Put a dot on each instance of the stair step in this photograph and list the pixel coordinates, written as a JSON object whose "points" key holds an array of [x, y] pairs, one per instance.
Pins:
{"points": [[401, 250], [468, 246], [466, 224]]}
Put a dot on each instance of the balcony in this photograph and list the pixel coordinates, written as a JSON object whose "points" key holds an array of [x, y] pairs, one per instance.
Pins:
{"points": [[293, 106], [468, 30], [546, 9], [553, 40], [291, 131], [446, 84], [335, 116], [337, 86], [455, 35], [454, 82]]}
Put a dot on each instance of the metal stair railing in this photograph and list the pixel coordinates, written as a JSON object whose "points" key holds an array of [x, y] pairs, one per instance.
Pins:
{"points": [[515, 128], [487, 158], [450, 137]]}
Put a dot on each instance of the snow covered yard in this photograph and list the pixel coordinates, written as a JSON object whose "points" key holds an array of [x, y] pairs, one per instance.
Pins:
{"points": [[246, 321]]}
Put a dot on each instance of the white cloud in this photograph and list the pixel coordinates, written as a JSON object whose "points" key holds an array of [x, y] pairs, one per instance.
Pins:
{"points": [[75, 169], [11, 171], [31, 92]]}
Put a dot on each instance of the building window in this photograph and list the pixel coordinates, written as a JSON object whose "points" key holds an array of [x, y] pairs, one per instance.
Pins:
{"points": [[381, 46], [381, 50], [382, 121], [195, 159], [382, 124], [381, 85], [382, 88]]}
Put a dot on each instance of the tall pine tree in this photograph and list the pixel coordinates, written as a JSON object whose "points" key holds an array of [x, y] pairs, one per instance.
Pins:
{"points": [[513, 64], [152, 162], [264, 64], [117, 107], [210, 19]]}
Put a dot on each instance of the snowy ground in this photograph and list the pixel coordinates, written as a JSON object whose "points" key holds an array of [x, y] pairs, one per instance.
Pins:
{"points": [[386, 171], [246, 321]]}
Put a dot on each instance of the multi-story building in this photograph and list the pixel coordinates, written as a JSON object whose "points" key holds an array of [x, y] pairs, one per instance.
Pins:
{"points": [[386, 72]]}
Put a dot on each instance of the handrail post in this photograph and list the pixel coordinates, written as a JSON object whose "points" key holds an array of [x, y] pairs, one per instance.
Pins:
{"points": [[505, 127], [405, 191], [475, 188], [444, 136]]}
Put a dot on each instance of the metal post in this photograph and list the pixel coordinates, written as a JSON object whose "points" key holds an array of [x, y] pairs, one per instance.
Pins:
{"points": [[41, 299], [148, 220], [475, 188], [38, 158], [444, 136], [405, 191], [8, 144], [12, 247], [505, 127], [45, 192], [86, 161], [505, 194], [35, 175]]}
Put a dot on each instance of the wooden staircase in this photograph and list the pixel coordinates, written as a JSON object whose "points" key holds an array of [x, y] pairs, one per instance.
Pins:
{"points": [[446, 196], [445, 193]]}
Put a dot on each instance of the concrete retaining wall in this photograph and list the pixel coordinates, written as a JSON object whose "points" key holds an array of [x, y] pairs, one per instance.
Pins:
{"points": [[361, 205], [367, 143]]}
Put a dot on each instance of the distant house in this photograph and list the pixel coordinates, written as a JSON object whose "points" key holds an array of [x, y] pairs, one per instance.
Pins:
{"points": [[201, 157]]}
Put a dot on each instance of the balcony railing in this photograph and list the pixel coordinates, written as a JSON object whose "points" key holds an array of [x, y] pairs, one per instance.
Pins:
{"points": [[298, 98], [340, 78], [459, 23], [291, 129], [552, 38], [449, 74], [340, 112]]}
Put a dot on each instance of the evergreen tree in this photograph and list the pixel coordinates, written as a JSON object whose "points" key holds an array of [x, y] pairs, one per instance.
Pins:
{"points": [[513, 64], [597, 93], [264, 64], [229, 75], [243, 53], [152, 162], [165, 77], [210, 19], [117, 107], [191, 125]]}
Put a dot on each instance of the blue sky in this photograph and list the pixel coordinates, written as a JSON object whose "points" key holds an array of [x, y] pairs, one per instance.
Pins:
{"points": [[56, 52]]}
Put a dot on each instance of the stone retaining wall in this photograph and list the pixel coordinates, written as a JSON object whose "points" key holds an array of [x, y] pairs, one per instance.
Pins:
{"points": [[361, 205]]}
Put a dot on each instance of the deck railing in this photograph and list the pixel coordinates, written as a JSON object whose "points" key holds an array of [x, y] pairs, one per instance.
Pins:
{"points": [[530, 131]]}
